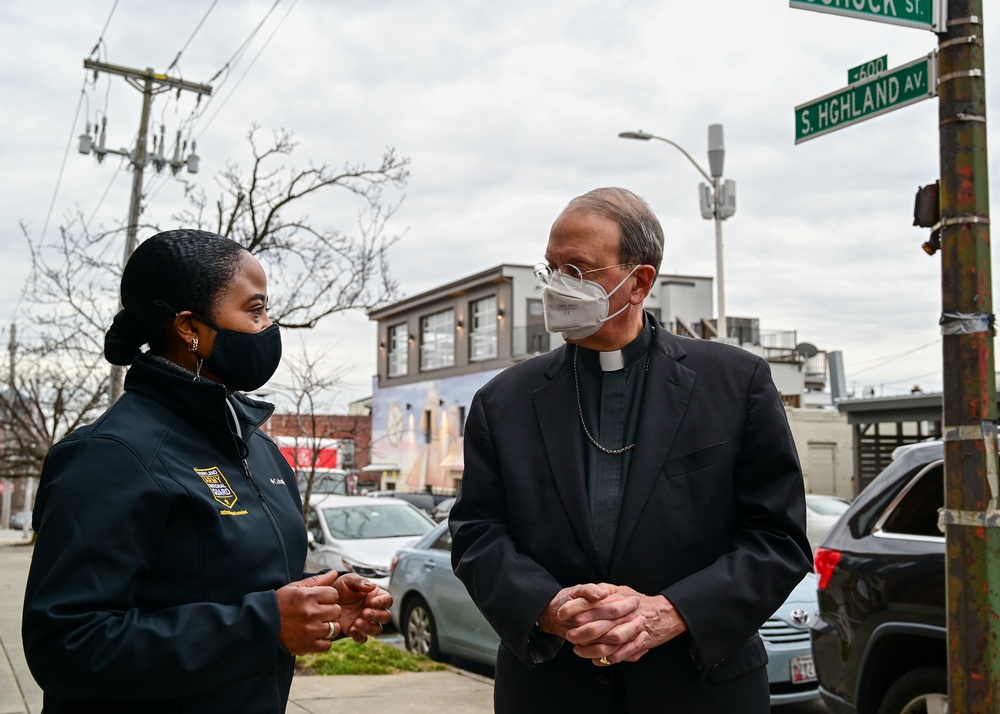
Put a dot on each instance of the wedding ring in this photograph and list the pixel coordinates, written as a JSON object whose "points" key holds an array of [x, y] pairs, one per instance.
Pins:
{"points": [[604, 660], [333, 631]]}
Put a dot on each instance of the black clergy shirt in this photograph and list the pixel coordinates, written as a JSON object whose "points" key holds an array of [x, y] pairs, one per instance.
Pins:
{"points": [[610, 401]]}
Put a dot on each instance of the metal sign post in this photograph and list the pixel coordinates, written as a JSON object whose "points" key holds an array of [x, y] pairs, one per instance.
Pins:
{"points": [[971, 516]]}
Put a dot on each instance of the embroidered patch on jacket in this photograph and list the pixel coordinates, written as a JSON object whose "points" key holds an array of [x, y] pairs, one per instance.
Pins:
{"points": [[218, 485]]}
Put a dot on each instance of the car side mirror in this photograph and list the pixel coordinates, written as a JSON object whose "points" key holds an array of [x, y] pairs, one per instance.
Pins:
{"points": [[311, 540]]}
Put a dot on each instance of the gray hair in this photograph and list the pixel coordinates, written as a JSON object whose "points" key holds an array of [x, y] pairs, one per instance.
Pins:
{"points": [[642, 234]]}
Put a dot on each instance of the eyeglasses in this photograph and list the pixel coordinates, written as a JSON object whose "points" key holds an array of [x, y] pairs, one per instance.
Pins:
{"points": [[571, 275]]}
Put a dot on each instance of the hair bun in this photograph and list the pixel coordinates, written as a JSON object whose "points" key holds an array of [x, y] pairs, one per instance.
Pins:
{"points": [[123, 339]]}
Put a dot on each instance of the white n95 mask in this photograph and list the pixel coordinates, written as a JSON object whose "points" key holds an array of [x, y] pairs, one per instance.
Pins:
{"points": [[578, 308]]}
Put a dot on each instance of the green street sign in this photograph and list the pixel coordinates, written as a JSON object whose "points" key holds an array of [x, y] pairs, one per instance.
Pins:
{"points": [[868, 69], [922, 14], [869, 98]]}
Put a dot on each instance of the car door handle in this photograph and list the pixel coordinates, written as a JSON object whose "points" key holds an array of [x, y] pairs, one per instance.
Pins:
{"points": [[430, 564]]}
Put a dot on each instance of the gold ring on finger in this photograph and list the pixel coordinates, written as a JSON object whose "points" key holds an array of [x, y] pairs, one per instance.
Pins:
{"points": [[333, 631]]}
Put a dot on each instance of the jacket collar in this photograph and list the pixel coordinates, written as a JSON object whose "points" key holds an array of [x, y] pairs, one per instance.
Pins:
{"points": [[202, 403]]}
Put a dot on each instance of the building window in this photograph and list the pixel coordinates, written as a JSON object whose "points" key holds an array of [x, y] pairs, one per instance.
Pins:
{"points": [[483, 332], [437, 340], [397, 350], [347, 453]]}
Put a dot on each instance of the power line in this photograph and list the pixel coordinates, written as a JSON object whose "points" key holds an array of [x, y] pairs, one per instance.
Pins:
{"points": [[242, 48], [62, 167], [107, 22], [93, 215], [911, 380], [198, 111], [250, 66], [205, 17], [891, 358]]}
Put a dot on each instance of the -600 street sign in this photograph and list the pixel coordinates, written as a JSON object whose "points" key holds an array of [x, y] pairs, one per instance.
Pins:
{"points": [[877, 95]]}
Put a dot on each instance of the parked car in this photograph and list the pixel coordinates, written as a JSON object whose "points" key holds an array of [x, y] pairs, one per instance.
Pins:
{"points": [[880, 641], [440, 512], [432, 608], [361, 534], [423, 500], [821, 513], [437, 618], [791, 673], [18, 520], [325, 482]]}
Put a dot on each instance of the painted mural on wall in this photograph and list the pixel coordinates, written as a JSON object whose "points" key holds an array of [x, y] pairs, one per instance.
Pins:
{"points": [[417, 430]]}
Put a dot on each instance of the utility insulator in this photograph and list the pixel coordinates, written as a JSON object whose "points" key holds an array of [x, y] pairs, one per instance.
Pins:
{"points": [[192, 161]]}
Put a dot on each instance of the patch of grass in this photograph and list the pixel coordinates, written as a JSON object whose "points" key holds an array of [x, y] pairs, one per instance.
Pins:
{"points": [[374, 657]]}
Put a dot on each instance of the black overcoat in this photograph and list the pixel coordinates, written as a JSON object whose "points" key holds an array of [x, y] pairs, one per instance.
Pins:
{"points": [[713, 518]]}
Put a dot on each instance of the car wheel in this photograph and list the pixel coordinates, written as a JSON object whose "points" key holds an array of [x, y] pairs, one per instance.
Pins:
{"points": [[418, 629], [922, 691]]}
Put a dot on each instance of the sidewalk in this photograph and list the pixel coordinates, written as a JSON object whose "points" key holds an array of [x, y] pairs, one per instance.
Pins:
{"points": [[445, 692]]}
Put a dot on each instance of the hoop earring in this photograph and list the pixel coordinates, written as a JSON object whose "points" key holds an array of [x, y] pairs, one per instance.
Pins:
{"points": [[193, 347]]}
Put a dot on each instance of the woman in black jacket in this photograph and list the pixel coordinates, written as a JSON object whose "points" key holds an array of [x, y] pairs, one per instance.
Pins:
{"points": [[168, 569]]}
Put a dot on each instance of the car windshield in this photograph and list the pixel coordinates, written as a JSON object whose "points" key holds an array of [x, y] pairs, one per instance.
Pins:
{"points": [[325, 485], [827, 506], [375, 521]]}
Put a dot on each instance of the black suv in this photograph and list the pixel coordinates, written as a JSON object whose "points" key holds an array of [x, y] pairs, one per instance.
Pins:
{"points": [[880, 642]]}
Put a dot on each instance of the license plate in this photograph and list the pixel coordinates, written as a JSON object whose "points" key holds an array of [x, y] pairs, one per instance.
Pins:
{"points": [[803, 669]]}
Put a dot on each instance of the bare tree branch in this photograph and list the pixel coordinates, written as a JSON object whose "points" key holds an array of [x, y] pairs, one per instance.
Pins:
{"points": [[311, 387], [60, 379], [313, 271]]}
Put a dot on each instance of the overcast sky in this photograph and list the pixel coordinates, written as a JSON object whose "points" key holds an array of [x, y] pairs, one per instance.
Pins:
{"points": [[508, 110]]}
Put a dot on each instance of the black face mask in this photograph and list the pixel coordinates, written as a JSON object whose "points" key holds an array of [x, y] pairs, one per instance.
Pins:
{"points": [[245, 360]]}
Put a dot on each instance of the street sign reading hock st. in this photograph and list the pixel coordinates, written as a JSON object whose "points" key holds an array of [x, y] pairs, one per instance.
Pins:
{"points": [[922, 14]]}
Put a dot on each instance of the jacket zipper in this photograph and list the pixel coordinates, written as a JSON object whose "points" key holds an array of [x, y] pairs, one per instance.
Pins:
{"points": [[270, 515]]}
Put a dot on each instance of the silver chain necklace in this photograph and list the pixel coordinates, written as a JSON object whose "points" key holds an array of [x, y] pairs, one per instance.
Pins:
{"points": [[579, 406]]}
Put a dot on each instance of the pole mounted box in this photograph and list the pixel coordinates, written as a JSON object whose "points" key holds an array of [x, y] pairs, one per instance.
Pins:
{"points": [[927, 206], [727, 199], [705, 201]]}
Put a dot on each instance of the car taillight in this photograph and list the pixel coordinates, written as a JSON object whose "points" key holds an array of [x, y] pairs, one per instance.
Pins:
{"points": [[826, 562]]}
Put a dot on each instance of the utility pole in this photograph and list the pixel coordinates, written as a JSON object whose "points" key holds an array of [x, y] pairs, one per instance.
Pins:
{"points": [[149, 83], [8, 430], [12, 350], [971, 515]]}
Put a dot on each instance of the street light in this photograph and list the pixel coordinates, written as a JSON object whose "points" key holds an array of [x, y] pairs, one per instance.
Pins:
{"points": [[717, 201]]}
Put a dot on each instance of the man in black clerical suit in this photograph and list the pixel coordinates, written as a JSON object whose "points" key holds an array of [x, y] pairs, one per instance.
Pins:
{"points": [[632, 506]]}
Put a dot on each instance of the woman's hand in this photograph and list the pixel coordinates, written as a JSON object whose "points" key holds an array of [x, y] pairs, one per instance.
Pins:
{"points": [[364, 606], [307, 609]]}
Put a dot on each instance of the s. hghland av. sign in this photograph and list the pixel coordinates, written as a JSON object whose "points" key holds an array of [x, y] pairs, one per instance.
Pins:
{"points": [[922, 14], [881, 93]]}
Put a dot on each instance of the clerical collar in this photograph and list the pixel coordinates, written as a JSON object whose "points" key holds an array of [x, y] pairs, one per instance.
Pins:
{"points": [[614, 360], [611, 361]]}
